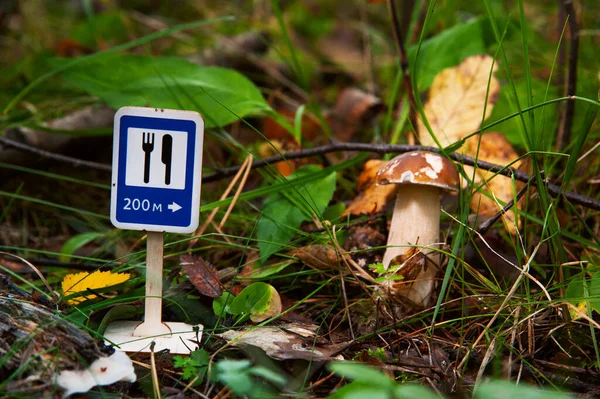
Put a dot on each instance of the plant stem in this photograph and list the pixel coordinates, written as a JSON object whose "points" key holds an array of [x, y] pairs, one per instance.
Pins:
{"points": [[403, 61], [564, 132]]}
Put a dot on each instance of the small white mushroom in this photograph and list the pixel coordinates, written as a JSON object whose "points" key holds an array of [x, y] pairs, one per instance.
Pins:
{"points": [[422, 177], [103, 371]]}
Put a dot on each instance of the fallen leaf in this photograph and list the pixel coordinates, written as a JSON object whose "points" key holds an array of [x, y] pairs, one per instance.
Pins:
{"points": [[259, 300], [411, 276], [457, 99], [273, 307], [69, 48], [279, 146], [455, 108], [372, 197], [288, 341], [584, 289], [362, 241], [318, 256], [83, 282], [202, 275], [274, 131], [494, 148], [354, 110]]}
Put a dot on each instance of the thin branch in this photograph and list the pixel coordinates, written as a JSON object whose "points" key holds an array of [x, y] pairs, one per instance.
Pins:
{"points": [[54, 156], [553, 189], [485, 226], [565, 130], [223, 173]]}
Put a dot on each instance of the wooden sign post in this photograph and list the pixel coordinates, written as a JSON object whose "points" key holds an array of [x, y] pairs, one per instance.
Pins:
{"points": [[157, 166], [153, 324]]}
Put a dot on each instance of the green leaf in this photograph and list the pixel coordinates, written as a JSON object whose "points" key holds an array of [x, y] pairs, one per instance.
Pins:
{"points": [[221, 95], [508, 389], [76, 242], [185, 364], [193, 365], [334, 212], [512, 128], [580, 139], [108, 26], [267, 271], [234, 373], [298, 123], [256, 299], [268, 375], [361, 390], [201, 357], [449, 48], [118, 312], [363, 373], [576, 293], [283, 213], [222, 304], [180, 361]]}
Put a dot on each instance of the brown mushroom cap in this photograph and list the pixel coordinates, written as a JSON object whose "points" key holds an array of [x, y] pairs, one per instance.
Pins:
{"points": [[419, 167]]}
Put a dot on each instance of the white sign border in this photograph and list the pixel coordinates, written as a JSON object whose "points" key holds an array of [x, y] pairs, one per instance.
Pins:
{"points": [[197, 172]]}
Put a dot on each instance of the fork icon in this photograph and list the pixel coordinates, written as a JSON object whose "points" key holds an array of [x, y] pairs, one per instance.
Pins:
{"points": [[147, 147]]}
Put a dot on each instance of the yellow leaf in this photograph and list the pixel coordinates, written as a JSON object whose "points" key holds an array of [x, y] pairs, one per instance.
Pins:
{"points": [[455, 108], [457, 100], [582, 307], [81, 282]]}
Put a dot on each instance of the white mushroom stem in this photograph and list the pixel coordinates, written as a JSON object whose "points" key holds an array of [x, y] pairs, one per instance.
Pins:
{"points": [[416, 220]]}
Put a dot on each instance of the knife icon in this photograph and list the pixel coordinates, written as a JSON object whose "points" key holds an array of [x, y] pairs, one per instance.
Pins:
{"points": [[167, 156]]}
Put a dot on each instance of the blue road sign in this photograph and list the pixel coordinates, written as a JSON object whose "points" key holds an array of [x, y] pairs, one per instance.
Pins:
{"points": [[157, 168]]}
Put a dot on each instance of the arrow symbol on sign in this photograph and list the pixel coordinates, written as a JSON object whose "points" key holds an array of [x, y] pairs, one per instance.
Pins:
{"points": [[174, 206]]}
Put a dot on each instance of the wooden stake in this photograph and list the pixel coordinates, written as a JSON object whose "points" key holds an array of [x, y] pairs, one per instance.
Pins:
{"points": [[153, 324]]}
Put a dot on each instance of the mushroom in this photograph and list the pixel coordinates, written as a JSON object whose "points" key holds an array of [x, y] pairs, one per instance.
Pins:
{"points": [[416, 216]]}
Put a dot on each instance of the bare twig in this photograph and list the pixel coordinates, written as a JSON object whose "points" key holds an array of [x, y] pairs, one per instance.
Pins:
{"points": [[222, 173], [36, 270], [238, 191], [154, 373], [210, 217], [54, 156], [564, 134], [485, 226], [553, 189]]}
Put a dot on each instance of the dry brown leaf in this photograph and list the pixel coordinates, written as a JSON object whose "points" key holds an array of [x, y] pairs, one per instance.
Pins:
{"points": [[287, 341], [320, 257], [456, 100], [274, 131], [494, 148], [276, 147], [280, 140], [372, 197], [412, 277], [353, 110], [202, 275]]}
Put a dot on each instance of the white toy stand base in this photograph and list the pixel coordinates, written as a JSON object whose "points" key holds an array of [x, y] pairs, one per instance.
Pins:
{"points": [[182, 339]]}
